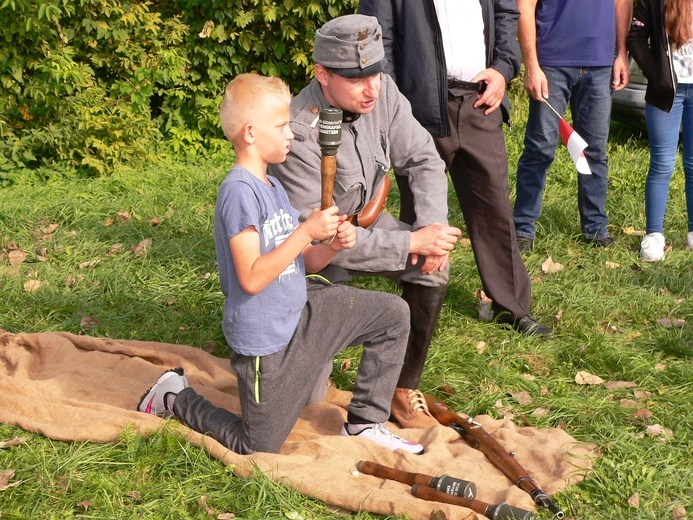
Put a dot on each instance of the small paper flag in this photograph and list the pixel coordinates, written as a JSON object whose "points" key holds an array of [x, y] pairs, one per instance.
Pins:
{"points": [[576, 146]]}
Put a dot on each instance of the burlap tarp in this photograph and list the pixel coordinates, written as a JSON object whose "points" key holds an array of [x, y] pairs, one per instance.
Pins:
{"points": [[70, 387]]}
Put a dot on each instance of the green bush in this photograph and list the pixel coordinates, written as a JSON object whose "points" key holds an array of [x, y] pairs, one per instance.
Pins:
{"points": [[89, 84]]}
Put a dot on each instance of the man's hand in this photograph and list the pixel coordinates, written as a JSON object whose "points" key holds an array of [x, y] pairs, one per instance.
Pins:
{"points": [[495, 89], [536, 84], [621, 73], [435, 243]]}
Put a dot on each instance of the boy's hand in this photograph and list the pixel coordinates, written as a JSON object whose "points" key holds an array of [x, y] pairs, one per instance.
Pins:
{"points": [[346, 235], [322, 224]]}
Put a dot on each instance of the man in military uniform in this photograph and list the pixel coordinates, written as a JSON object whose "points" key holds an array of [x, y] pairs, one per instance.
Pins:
{"points": [[378, 132]]}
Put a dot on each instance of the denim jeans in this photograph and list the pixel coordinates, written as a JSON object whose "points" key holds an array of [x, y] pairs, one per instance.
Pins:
{"points": [[663, 132], [588, 90]]}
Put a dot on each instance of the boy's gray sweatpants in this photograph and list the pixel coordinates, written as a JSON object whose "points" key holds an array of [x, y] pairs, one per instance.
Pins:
{"points": [[274, 389]]}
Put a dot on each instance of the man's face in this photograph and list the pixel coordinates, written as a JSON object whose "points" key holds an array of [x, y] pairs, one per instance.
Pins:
{"points": [[356, 95]]}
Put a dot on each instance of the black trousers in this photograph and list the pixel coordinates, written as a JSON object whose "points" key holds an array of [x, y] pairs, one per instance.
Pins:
{"points": [[477, 160]]}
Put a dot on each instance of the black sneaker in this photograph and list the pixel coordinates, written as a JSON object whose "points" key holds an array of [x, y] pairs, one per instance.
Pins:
{"points": [[525, 244], [604, 242]]}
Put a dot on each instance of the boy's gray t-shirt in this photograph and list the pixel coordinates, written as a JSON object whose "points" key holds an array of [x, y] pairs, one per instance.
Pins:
{"points": [[264, 323]]}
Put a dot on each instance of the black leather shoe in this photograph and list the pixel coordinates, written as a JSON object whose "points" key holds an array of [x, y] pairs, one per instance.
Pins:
{"points": [[528, 326], [525, 244], [601, 241]]}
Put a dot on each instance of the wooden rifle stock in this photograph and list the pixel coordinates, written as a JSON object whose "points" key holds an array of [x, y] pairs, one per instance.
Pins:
{"points": [[444, 483], [475, 435], [500, 511]]}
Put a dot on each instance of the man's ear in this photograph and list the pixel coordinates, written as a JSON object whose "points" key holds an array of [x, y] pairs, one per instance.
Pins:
{"points": [[321, 74]]}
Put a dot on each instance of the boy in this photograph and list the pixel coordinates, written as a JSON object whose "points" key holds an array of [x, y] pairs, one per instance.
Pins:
{"points": [[282, 328]]}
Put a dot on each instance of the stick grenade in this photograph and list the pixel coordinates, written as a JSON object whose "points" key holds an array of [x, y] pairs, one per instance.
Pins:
{"points": [[329, 139], [500, 511], [475, 436], [444, 483]]}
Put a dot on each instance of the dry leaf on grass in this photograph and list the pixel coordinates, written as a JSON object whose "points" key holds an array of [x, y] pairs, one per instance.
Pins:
{"points": [[480, 347], [5, 477], [679, 513], [671, 322], [522, 397], [17, 441], [202, 502], [464, 242], [123, 217], [549, 266], [634, 500], [642, 394], [88, 321], [657, 430], [86, 504], [659, 367], [49, 229], [155, 221], [540, 411], [89, 264], [142, 247], [612, 265], [642, 413], [610, 385], [345, 365], [16, 257], [225, 516], [585, 378], [628, 403], [32, 285]]}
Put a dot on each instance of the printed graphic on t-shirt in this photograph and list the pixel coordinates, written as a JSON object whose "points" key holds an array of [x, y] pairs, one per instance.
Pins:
{"points": [[683, 62], [274, 231]]}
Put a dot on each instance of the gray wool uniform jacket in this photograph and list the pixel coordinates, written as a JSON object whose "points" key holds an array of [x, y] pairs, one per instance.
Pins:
{"points": [[389, 136]]}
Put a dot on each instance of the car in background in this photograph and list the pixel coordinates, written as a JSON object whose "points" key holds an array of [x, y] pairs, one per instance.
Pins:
{"points": [[628, 105]]}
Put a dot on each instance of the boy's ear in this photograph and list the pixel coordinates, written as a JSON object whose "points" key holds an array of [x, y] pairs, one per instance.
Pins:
{"points": [[248, 134]]}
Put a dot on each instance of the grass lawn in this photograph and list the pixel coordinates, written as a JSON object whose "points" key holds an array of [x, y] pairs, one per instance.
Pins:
{"points": [[614, 317]]}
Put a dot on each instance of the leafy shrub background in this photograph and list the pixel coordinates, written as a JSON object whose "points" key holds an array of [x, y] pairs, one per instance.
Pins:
{"points": [[89, 84]]}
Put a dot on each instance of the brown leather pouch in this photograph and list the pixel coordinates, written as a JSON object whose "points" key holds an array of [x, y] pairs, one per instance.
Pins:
{"points": [[373, 207]]}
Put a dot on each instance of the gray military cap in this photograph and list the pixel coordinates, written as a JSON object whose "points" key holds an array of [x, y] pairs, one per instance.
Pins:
{"points": [[351, 46]]}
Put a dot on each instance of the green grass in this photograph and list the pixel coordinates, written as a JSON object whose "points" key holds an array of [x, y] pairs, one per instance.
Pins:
{"points": [[605, 318]]}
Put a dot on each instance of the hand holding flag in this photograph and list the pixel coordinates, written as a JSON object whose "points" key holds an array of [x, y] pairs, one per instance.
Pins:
{"points": [[576, 145]]}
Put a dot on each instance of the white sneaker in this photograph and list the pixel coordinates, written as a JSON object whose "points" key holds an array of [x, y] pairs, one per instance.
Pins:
{"points": [[689, 240], [153, 401], [381, 435], [652, 247]]}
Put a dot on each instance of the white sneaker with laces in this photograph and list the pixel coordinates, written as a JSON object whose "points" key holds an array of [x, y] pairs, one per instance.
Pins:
{"points": [[153, 401], [689, 240], [379, 434], [652, 247]]}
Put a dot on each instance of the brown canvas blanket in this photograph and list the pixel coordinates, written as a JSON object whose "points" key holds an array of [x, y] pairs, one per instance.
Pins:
{"points": [[70, 387]]}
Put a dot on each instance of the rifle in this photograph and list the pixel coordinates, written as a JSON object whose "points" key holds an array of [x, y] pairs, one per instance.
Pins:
{"points": [[431, 488], [444, 483], [475, 435]]}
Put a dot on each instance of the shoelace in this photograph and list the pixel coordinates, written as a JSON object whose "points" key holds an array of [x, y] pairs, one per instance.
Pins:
{"points": [[417, 401]]}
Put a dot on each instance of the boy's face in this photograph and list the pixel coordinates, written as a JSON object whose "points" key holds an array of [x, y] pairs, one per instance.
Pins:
{"points": [[356, 95], [272, 133]]}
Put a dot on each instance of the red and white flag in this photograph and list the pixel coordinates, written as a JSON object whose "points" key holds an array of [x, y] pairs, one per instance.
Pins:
{"points": [[576, 146]]}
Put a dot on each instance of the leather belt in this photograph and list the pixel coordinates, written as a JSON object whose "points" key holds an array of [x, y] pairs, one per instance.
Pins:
{"points": [[478, 86]]}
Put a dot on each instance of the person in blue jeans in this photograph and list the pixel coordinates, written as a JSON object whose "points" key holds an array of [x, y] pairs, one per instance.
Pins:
{"points": [[656, 28], [574, 53]]}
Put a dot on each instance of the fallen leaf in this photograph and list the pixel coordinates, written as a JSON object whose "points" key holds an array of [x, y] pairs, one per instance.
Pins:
{"points": [[671, 323], [528, 377], [5, 477], [642, 413], [659, 367], [480, 347], [540, 411], [49, 229], [610, 385], [88, 321], [464, 242], [225, 516], [123, 217], [484, 306], [559, 315], [634, 500], [549, 266], [544, 391], [608, 328], [86, 504], [154, 221], [202, 502], [90, 263], [345, 365], [612, 265], [679, 513], [17, 441], [585, 378], [446, 390], [628, 403], [16, 257], [657, 430], [522, 397], [32, 285], [642, 394], [632, 335], [142, 247], [108, 222]]}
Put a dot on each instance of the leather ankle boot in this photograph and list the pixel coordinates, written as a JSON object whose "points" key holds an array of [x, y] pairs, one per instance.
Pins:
{"points": [[409, 409]]}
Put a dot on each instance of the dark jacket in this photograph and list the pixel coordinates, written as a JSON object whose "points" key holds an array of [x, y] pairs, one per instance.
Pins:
{"points": [[648, 44], [414, 50]]}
